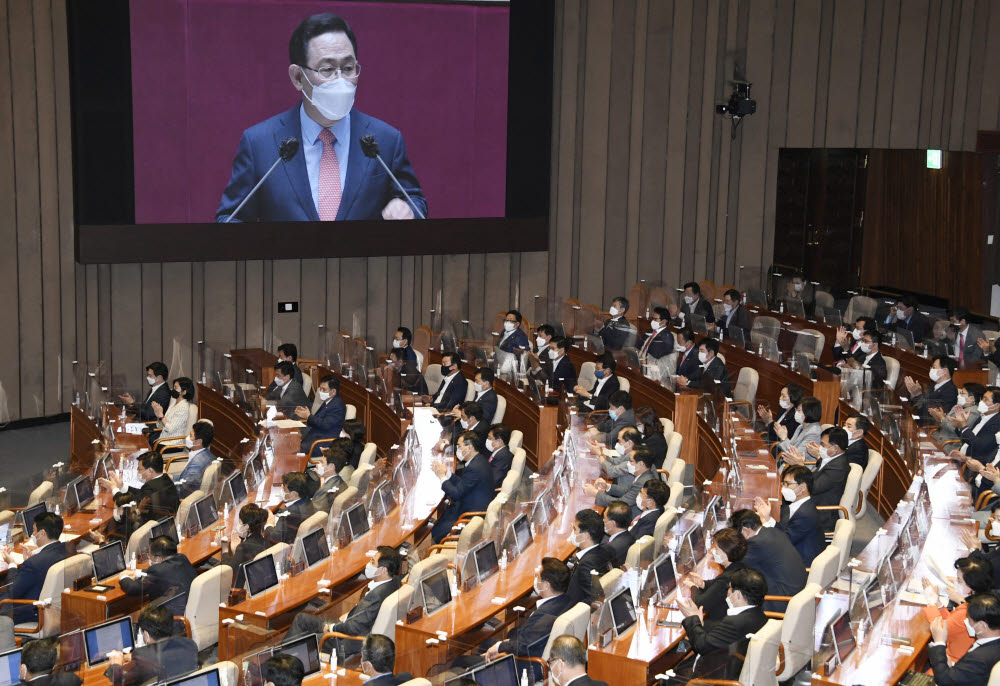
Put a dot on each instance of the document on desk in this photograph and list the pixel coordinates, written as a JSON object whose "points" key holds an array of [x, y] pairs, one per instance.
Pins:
{"points": [[66, 538], [288, 424], [135, 428]]}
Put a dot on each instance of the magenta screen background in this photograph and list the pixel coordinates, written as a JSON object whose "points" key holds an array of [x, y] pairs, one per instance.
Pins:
{"points": [[203, 71]]}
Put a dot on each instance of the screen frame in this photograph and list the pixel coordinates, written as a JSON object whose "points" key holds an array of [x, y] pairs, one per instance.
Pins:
{"points": [[475, 556], [277, 582], [197, 675], [93, 562], [86, 643], [423, 591], [7, 654], [308, 638], [627, 593]]}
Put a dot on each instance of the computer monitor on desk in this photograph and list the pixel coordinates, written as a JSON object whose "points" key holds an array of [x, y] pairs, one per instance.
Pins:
{"points": [[623, 613], [28, 515], [165, 527], [261, 575], [306, 649], [209, 677], [436, 591], [207, 512], [102, 639], [234, 490], [108, 561]]}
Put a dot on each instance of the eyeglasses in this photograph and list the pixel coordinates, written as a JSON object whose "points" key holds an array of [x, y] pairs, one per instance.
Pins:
{"points": [[348, 71]]}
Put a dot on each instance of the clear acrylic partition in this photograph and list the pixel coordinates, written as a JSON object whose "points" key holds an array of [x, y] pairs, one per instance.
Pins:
{"points": [[706, 410], [852, 386], [749, 276], [829, 315]]}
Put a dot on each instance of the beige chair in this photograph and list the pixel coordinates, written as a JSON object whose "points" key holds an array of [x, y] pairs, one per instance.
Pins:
{"points": [[586, 377], [434, 562], [676, 495], [677, 469], [351, 412], [307, 383], [994, 676], [201, 613], [760, 661], [624, 385], [663, 524], [867, 479], [184, 509], [891, 373], [360, 478], [368, 455], [60, 575], [745, 389], [674, 444], [510, 484], [797, 631], [420, 359], [516, 440], [824, 299], [314, 521], [643, 547], [278, 549], [825, 567], [609, 580], [668, 427], [341, 502], [852, 487], [470, 392], [491, 523], [7, 517], [433, 378], [858, 306], [139, 540], [517, 463], [500, 411], [572, 622], [210, 477], [41, 492], [843, 537], [815, 343]]}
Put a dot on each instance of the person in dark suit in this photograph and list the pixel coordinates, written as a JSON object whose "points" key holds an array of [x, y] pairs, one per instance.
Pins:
{"points": [[873, 360], [156, 499], [200, 456], [470, 418], [485, 395], [659, 339], [38, 659], [328, 419], [966, 348], [410, 379], [980, 442], [248, 543], [168, 577], [848, 344], [591, 559], [728, 550], [568, 663], [693, 304], [378, 657], [617, 332], [355, 432], [688, 370], [800, 520], [617, 517], [943, 394], [401, 340], [720, 646], [973, 669], [857, 426], [904, 315], [652, 501], [453, 386], [620, 415], [513, 339], [649, 426], [501, 458], [791, 396], [298, 492], [25, 583], [563, 377], [159, 392], [469, 490], [283, 670], [287, 393], [323, 67], [596, 398], [735, 316], [544, 335], [384, 574], [327, 473], [287, 352], [711, 366], [162, 656], [628, 490], [771, 552], [830, 473]]}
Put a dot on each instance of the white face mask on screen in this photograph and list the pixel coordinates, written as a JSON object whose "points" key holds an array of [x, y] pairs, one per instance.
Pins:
{"points": [[334, 99]]}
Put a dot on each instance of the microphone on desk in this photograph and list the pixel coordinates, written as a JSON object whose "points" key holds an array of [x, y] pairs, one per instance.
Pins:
{"points": [[286, 151], [369, 146]]}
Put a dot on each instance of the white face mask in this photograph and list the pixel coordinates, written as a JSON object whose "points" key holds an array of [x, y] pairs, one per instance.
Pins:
{"points": [[620, 449], [983, 407], [614, 311], [32, 541], [900, 315], [729, 602], [396, 343], [829, 452], [539, 341], [630, 468], [324, 396], [798, 287], [465, 424], [935, 374], [719, 557], [371, 570], [656, 325], [857, 333], [703, 357], [151, 380], [188, 442], [968, 627], [995, 528], [788, 494], [727, 308], [490, 445], [865, 348], [576, 539], [140, 639], [553, 354], [689, 299], [509, 326], [638, 501], [799, 417], [998, 437], [279, 382], [784, 404], [334, 99], [288, 497], [536, 586], [242, 530]]}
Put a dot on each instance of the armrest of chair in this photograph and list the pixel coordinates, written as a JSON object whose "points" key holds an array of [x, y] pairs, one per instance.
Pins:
{"points": [[536, 660], [944, 445], [984, 498], [187, 624], [596, 417], [841, 508], [665, 474], [329, 635], [438, 547], [322, 441], [467, 517], [774, 615], [714, 682], [778, 598], [170, 460], [169, 443], [41, 615]]}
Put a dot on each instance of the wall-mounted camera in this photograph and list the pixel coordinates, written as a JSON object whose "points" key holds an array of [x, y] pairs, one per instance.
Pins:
{"points": [[740, 104]]}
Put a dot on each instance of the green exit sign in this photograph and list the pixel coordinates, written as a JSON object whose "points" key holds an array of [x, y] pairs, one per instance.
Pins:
{"points": [[933, 159]]}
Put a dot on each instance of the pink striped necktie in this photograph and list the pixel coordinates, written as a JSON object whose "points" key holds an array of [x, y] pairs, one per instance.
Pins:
{"points": [[329, 179]]}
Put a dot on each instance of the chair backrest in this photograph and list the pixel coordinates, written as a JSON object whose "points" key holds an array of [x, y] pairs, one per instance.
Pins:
{"points": [[994, 676], [663, 524], [668, 427], [659, 297], [762, 655], [192, 416], [624, 385], [359, 479], [797, 630], [421, 343], [638, 297], [277, 549], [138, 540], [207, 591], [676, 495], [851, 489], [184, 509], [307, 384], [674, 444], [60, 575], [210, 477], [340, 501], [510, 483], [586, 377], [637, 551], [824, 299], [434, 562], [368, 455], [825, 567], [351, 411], [389, 611], [518, 462], [41, 492], [470, 536], [746, 385], [418, 681], [433, 378], [573, 622], [501, 409], [609, 579], [6, 517], [867, 479], [891, 373], [843, 537], [470, 392], [516, 439], [860, 305], [420, 359], [314, 521], [677, 468], [492, 520]]}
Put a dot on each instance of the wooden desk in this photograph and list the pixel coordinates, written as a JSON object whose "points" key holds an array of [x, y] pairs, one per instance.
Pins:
{"points": [[94, 676]]}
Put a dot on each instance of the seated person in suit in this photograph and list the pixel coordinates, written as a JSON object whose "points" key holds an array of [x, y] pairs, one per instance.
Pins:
{"points": [[615, 465], [943, 395], [287, 393], [979, 445], [857, 426], [38, 659], [411, 381], [982, 620], [641, 469], [563, 376], [156, 499], [591, 559], [617, 518], [25, 583], [659, 339], [500, 456], [568, 663], [199, 457], [800, 520], [791, 396], [327, 472], [159, 392], [384, 574], [693, 304], [735, 316], [620, 415], [401, 340], [648, 424], [158, 655], [829, 473], [378, 658], [543, 338], [513, 339], [485, 395], [808, 414], [168, 577], [471, 418], [248, 543], [287, 352], [711, 366], [688, 369], [728, 550], [848, 344], [283, 670], [596, 398], [652, 500], [967, 404], [721, 646], [172, 419], [771, 552], [617, 332], [297, 496], [451, 392], [469, 490], [966, 348], [973, 574], [870, 360], [904, 315], [355, 431], [328, 419]]}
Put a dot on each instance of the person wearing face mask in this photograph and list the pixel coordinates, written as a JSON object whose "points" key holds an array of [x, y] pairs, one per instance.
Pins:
{"points": [[544, 335], [591, 559], [974, 574], [943, 394], [25, 583], [617, 518], [159, 392], [799, 518], [485, 396], [328, 419], [982, 622], [513, 339], [720, 646], [617, 332], [790, 397], [158, 654], [606, 383], [829, 473], [693, 304], [332, 460], [967, 403], [652, 500], [401, 341], [383, 572], [650, 429], [848, 344], [966, 348], [711, 367], [807, 415], [568, 663], [728, 550], [620, 415], [288, 352], [989, 521], [286, 393], [873, 363], [297, 497], [561, 375], [641, 469], [734, 316], [168, 576], [248, 541], [156, 499], [978, 441], [659, 340], [615, 465], [905, 316], [453, 386], [470, 490], [331, 178], [857, 426], [470, 417], [688, 366], [38, 660], [378, 657], [199, 457], [407, 376], [500, 456], [354, 432], [171, 422], [770, 551]]}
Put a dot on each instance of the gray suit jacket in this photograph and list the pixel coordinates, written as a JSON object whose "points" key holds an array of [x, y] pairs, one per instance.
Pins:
{"points": [[293, 397], [610, 427], [627, 488], [973, 353]]}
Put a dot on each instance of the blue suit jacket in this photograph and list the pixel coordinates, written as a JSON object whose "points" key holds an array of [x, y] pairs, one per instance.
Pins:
{"points": [[470, 490], [326, 422], [453, 395], [515, 342], [286, 195], [804, 530], [30, 577]]}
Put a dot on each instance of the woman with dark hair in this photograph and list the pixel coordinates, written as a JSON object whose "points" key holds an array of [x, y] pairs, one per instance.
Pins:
{"points": [[974, 575], [728, 550], [651, 429], [354, 429], [791, 395], [248, 542], [173, 420], [808, 414]]}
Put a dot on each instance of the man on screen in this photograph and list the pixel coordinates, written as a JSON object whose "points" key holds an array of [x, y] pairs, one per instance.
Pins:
{"points": [[330, 178]]}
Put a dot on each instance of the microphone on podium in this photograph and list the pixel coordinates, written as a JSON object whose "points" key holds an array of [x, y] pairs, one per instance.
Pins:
{"points": [[286, 151], [369, 146]]}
